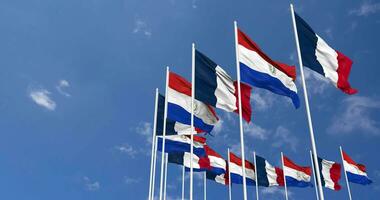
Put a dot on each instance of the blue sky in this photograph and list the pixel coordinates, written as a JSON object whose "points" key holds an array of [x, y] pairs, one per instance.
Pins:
{"points": [[77, 88]]}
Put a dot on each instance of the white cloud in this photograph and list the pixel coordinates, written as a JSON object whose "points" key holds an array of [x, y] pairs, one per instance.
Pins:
{"points": [[356, 116], [218, 127], [91, 185], [328, 32], [142, 28], [194, 4], [62, 84], [130, 180], [41, 97], [316, 83], [366, 8], [274, 191], [262, 100], [256, 131], [127, 149], [145, 129], [283, 137]]}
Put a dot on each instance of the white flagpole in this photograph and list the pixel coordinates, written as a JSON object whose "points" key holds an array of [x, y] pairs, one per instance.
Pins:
{"points": [[256, 178], [154, 167], [283, 168], [166, 174], [153, 146], [229, 176], [240, 112], [315, 180], [204, 186], [314, 148], [183, 182], [164, 133], [345, 173], [192, 117]]}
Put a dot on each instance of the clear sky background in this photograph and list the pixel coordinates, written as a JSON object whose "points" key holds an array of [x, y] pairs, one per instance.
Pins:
{"points": [[77, 81]]}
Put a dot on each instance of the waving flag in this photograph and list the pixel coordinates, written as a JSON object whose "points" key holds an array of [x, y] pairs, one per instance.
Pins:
{"points": [[267, 175], [356, 173], [330, 173], [183, 158], [179, 105], [296, 175], [219, 178], [172, 127], [258, 70], [215, 87], [182, 143], [217, 163], [236, 171], [321, 58]]}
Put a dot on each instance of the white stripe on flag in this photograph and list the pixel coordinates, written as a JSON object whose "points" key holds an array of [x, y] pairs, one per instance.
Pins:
{"points": [[328, 58], [271, 174], [225, 98], [298, 175], [326, 166], [353, 169]]}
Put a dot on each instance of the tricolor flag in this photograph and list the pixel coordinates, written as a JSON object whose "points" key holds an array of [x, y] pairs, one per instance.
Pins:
{"points": [[267, 175], [217, 163], [215, 87], [219, 178], [182, 143], [179, 105], [172, 127], [356, 173], [330, 173], [296, 176], [259, 70], [321, 58], [236, 171], [199, 163]]}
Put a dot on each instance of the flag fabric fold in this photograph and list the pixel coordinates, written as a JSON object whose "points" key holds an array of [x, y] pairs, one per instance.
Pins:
{"points": [[356, 173], [182, 143], [236, 170], [217, 163], [219, 178], [259, 70], [184, 158], [321, 58], [330, 173], [296, 176], [268, 175]]}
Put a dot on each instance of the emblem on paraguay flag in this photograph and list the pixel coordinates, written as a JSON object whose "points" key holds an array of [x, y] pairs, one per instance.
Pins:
{"points": [[296, 175], [356, 173], [236, 170]]}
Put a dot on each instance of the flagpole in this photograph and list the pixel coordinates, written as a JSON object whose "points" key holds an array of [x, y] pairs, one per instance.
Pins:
{"points": [[229, 176], [204, 186], [283, 169], [154, 167], [315, 180], [183, 182], [166, 174], [164, 133], [313, 145], [345, 173], [153, 146], [256, 178], [192, 117], [240, 112]]}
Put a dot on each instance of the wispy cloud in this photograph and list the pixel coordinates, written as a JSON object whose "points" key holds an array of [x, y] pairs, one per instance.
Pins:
{"points": [[274, 191], [145, 129], [130, 180], [283, 137], [42, 98], [218, 127], [316, 83], [127, 149], [356, 115], [256, 131], [262, 100], [141, 27], [194, 4], [62, 85], [91, 185], [366, 8]]}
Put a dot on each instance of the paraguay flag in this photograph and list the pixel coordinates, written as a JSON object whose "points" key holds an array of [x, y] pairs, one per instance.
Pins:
{"points": [[182, 143], [320, 57], [172, 127], [184, 158], [356, 173], [179, 105], [330, 173], [215, 87], [259, 70], [219, 178], [296, 176], [267, 175], [236, 170], [217, 163]]}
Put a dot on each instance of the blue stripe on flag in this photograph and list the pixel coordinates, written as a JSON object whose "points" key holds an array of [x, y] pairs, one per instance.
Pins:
{"points": [[205, 79], [292, 182], [354, 178], [160, 119], [237, 179], [178, 147], [261, 172]]}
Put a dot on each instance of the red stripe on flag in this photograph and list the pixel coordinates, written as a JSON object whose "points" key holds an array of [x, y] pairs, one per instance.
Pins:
{"points": [[335, 175], [344, 68], [245, 100], [238, 161], [280, 176], [291, 164], [211, 152], [349, 160]]}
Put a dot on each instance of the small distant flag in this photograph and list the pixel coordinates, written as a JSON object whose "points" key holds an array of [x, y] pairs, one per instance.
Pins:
{"points": [[296, 176], [330, 173], [259, 70], [267, 175], [215, 87], [321, 58], [236, 170], [182, 143], [179, 105], [217, 163], [199, 163], [356, 173]]}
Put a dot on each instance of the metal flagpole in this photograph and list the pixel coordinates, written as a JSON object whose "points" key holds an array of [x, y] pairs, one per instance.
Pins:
{"points": [[283, 168], [154, 167], [183, 182], [256, 178], [314, 148], [166, 174], [345, 173], [240, 112], [164, 133], [192, 117], [315, 180], [153, 146], [229, 176], [204, 186]]}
